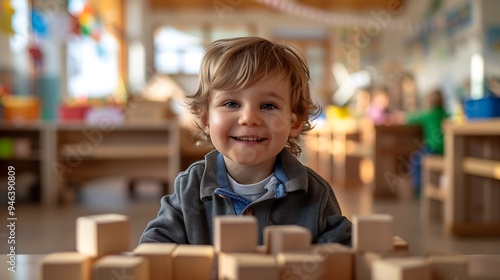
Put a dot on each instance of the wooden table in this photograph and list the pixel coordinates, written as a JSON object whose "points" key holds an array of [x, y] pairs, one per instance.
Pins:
{"points": [[472, 164]]}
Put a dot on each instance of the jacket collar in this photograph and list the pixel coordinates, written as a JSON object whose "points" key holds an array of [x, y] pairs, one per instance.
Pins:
{"points": [[295, 174]]}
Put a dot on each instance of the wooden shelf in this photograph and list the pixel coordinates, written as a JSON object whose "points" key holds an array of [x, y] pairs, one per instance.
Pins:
{"points": [[434, 192], [116, 151], [482, 167], [434, 162], [475, 127], [473, 171], [73, 151]]}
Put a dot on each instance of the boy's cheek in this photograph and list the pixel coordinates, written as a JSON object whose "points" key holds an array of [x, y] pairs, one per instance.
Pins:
{"points": [[278, 124]]}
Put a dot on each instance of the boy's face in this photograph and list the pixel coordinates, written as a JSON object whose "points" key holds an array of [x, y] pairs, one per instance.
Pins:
{"points": [[251, 126]]}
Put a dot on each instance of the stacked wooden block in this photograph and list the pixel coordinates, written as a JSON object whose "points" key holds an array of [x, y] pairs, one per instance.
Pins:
{"points": [[287, 253]]}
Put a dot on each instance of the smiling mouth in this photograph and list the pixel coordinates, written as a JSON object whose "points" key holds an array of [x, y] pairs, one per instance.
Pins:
{"points": [[249, 139]]}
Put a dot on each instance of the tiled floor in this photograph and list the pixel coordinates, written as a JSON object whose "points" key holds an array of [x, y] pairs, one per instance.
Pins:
{"points": [[41, 230]]}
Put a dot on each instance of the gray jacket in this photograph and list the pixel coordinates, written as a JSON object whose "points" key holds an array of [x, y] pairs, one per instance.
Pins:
{"points": [[185, 217]]}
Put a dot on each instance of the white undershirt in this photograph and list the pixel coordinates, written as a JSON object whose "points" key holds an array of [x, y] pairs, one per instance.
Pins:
{"points": [[251, 191]]}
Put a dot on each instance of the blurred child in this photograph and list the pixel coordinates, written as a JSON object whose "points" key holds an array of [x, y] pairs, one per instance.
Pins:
{"points": [[430, 119], [378, 110], [252, 104]]}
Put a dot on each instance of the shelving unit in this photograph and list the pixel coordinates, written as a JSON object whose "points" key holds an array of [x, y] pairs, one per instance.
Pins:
{"points": [[472, 163], [434, 193], [74, 152], [340, 150], [29, 163]]}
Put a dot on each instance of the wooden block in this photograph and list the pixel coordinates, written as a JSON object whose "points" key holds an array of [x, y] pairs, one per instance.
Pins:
{"points": [[304, 266], [287, 238], [121, 267], [482, 267], [159, 256], [411, 268], [373, 233], [339, 260], [449, 267], [400, 245], [101, 235], [247, 266], [364, 262], [66, 265], [193, 262], [230, 230]]}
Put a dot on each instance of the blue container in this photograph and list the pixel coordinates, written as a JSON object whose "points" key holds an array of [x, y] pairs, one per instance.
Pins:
{"points": [[487, 107]]}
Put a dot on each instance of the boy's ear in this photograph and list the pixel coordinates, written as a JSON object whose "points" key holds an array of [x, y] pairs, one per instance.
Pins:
{"points": [[204, 123], [296, 126]]}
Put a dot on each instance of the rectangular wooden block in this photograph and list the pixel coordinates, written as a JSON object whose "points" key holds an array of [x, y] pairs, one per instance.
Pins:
{"points": [[484, 266], [373, 233], [235, 234], [247, 266], [410, 268], [193, 262], [339, 260], [305, 266], [66, 265], [364, 262], [101, 235], [159, 256], [449, 267], [287, 238], [121, 267]]}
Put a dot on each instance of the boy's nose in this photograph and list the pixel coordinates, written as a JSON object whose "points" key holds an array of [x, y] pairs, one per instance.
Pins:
{"points": [[249, 117]]}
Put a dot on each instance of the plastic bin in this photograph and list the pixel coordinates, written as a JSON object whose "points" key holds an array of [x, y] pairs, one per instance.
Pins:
{"points": [[487, 107]]}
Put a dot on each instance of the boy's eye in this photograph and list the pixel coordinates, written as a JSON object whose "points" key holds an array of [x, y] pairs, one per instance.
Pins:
{"points": [[231, 104], [268, 106]]}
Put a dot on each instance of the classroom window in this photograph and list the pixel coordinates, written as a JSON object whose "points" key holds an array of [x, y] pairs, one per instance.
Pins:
{"points": [[92, 60]]}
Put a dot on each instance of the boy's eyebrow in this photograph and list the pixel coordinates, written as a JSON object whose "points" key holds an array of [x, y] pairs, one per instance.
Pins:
{"points": [[278, 96], [223, 93]]}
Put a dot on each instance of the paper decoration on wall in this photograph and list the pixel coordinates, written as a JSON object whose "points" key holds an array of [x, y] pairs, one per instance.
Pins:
{"points": [[6, 13], [493, 39], [38, 23], [36, 55], [89, 23]]}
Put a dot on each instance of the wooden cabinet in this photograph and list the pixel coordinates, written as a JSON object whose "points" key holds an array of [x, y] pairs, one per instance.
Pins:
{"points": [[472, 164], [396, 150], [73, 152]]}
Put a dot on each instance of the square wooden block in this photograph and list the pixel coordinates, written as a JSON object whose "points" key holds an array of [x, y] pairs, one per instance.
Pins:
{"points": [[235, 234], [193, 262], [159, 256], [411, 268], [449, 267], [101, 235], [247, 266], [363, 262], [339, 260], [484, 266], [121, 267], [373, 233], [66, 265], [305, 266], [287, 238]]}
